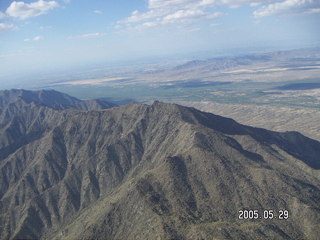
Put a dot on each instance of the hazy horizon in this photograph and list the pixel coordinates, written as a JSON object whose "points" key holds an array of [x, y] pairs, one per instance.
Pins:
{"points": [[38, 37]]}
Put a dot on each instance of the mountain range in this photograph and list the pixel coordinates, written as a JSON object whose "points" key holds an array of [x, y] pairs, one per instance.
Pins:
{"points": [[74, 169]]}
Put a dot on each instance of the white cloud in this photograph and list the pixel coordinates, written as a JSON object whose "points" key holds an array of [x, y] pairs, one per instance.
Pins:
{"points": [[6, 27], [184, 14], [287, 7], [156, 4], [97, 12], [138, 17], [24, 10], [162, 12], [87, 35], [34, 39], [189, 15], [149, 24]]}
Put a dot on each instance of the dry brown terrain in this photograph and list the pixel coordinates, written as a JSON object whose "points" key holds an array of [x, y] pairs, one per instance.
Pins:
{"points": [[276, 118]]}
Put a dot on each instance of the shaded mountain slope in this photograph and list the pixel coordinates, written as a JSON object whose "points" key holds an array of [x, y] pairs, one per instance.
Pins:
{"points": [[148, 172], [51, 98]]}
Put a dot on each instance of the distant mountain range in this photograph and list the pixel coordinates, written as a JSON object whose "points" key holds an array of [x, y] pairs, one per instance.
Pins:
{"points": [[288, 58], [73, 169]]}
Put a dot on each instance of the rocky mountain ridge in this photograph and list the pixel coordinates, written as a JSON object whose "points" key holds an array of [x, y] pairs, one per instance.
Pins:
{"points": [[150, 171]]}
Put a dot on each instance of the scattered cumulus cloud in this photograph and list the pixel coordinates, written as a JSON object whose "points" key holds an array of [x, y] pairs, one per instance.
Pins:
{"points": [[288, 7], [22, 10], [184, 15], [191, 14], [6, 27], [87, 36], [34, 39], [161, 12], [136, 16], [149, 24], [154, 4]]}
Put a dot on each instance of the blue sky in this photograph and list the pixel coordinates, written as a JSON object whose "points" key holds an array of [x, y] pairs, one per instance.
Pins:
{"points": [[48, 35]]}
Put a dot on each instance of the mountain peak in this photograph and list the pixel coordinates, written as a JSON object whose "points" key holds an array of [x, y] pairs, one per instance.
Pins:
{"points": [[149, 171]]}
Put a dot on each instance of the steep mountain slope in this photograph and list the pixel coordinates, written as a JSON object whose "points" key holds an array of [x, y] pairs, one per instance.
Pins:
{"points": [[51, 98], [148, 172]]}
